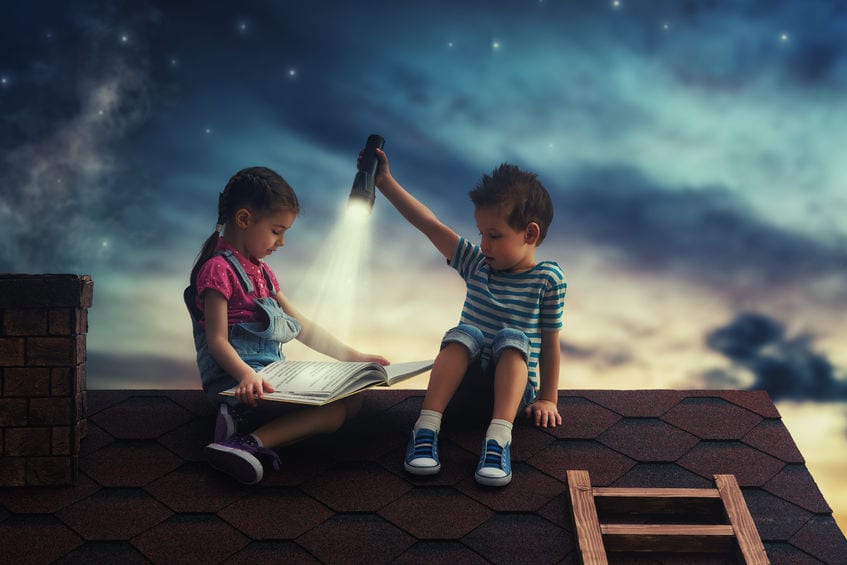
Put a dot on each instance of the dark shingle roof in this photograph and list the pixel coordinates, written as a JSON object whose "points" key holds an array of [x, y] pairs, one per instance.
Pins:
{"points": [[145, 493]]}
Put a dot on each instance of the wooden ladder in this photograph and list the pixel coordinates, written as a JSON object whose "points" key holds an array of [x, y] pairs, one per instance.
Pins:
{"points": [[724, 525]]}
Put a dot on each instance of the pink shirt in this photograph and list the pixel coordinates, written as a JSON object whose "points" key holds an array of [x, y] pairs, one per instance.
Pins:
{"points": [[217, 274]]}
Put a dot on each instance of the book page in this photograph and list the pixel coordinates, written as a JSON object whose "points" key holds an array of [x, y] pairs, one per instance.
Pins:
{"points": [[319, 382], [313, 377], [401, 371]]}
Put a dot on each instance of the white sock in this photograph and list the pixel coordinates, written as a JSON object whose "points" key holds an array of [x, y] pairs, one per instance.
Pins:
{"points": [[429, 419], [500, 431]]}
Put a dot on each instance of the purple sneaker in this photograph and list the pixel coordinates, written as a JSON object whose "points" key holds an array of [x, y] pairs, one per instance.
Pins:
{"points": [[237, 456], [225, 425]]}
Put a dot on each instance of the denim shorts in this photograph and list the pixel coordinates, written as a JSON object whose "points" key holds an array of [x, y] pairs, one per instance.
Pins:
{"points": [[256, 351], [478, 382]]}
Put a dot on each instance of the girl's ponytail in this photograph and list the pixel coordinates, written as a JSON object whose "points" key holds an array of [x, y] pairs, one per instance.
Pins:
{"points": [[205, 254]]}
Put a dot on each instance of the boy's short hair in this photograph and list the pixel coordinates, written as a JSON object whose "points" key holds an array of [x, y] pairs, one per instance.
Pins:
{"points": [[519, 193]]}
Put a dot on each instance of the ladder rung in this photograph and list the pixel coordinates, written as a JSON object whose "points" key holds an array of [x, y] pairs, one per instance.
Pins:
{"points": [[706, 493], [696, 502], [668, 537]]}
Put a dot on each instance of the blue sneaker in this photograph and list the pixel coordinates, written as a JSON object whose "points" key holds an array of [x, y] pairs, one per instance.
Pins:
{"points": [[225, 424], [422, 453], [495, 464], [237, 456]]}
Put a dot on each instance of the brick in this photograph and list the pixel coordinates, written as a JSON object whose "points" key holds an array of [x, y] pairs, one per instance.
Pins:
{"points": [[12, 471], [26, 382], [51, 351], [53, 411], [67, 321], [82, 403], [28, 441], [25, 322], [61, 322], [81, 432], [13, 412], [50, 470], [62, 381], [62, 440], [11, 351], [81, 321], [46, 291], [81, 377]]}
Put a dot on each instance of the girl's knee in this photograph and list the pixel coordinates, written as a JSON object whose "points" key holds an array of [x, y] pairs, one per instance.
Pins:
{"points": [[352, 405]]}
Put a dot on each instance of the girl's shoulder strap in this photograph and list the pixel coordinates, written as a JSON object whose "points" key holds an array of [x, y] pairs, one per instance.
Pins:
{"points": [[245, 281]]}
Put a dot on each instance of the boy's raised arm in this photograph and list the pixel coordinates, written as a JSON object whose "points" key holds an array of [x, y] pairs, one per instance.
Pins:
{"points": [[442, 237]]}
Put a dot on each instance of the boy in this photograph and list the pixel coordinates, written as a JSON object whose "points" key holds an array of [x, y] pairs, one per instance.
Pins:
{"points": [[508, 337]]}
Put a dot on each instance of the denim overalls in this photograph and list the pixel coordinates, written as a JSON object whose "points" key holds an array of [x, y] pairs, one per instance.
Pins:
{"points": [[257, 343]]}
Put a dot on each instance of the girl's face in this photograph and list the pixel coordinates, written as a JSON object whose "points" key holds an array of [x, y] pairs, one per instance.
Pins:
{"points": [[263, 234], [504, 247]]}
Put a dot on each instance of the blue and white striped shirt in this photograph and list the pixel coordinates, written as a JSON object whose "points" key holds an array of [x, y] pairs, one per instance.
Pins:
{"points": [[531, 302]]}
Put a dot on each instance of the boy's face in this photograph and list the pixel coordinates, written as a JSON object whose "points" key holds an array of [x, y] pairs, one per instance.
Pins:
{"points": [[504, 247]]}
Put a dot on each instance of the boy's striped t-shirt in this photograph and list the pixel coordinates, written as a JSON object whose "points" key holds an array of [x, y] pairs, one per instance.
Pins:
{"points": [[531, 302]]}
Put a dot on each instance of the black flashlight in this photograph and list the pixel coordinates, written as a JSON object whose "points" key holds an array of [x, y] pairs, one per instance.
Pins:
{"points": [[363, 190]]}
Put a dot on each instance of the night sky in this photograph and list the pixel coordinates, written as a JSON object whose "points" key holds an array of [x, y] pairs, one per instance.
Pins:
{"points": [[693, 149]]}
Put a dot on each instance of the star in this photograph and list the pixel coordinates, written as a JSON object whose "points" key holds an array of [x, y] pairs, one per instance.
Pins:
{"points": [[4, 80], [666, 26], [616, 4], [124, 39], [292, 72], [208, 131], [495, 45], [174, 62], [242, 26], [784, 37], [450, 44]]}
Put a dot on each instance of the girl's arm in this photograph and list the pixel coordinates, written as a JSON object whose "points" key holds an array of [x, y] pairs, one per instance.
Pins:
{"points": [[250, 385], [545, 411], [442, 237], [317, 338]]}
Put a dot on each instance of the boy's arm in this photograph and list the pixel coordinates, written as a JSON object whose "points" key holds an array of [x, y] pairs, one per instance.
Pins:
{"points": [[550, 356], [442, 237], [545, 411], [314, 336]]}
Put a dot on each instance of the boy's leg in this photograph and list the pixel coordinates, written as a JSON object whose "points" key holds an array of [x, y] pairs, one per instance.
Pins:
{"points": [[510, 350], [510, 376], [460, 346], [448, 369]]}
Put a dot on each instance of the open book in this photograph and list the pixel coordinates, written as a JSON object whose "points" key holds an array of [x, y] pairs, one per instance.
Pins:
{"points": [[321, 382]]}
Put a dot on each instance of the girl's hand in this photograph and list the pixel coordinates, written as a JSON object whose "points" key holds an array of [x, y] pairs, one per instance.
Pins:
{"points": [[544, 413], [368, 358], [251, 389]]}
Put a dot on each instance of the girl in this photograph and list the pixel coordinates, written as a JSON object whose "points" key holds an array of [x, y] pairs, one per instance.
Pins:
{"points": [[240, 319]]}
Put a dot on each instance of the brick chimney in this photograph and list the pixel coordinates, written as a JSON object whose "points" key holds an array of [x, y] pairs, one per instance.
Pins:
{"points": [[43, 322]]}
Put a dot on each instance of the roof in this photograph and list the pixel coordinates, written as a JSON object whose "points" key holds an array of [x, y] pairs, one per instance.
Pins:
{"points": [[145, 493]]}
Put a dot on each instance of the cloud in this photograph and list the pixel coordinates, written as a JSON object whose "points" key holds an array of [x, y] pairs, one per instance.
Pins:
{"points": [[60, 202], [786, 367], [706, 234], [125, 371], [601, 355]]}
